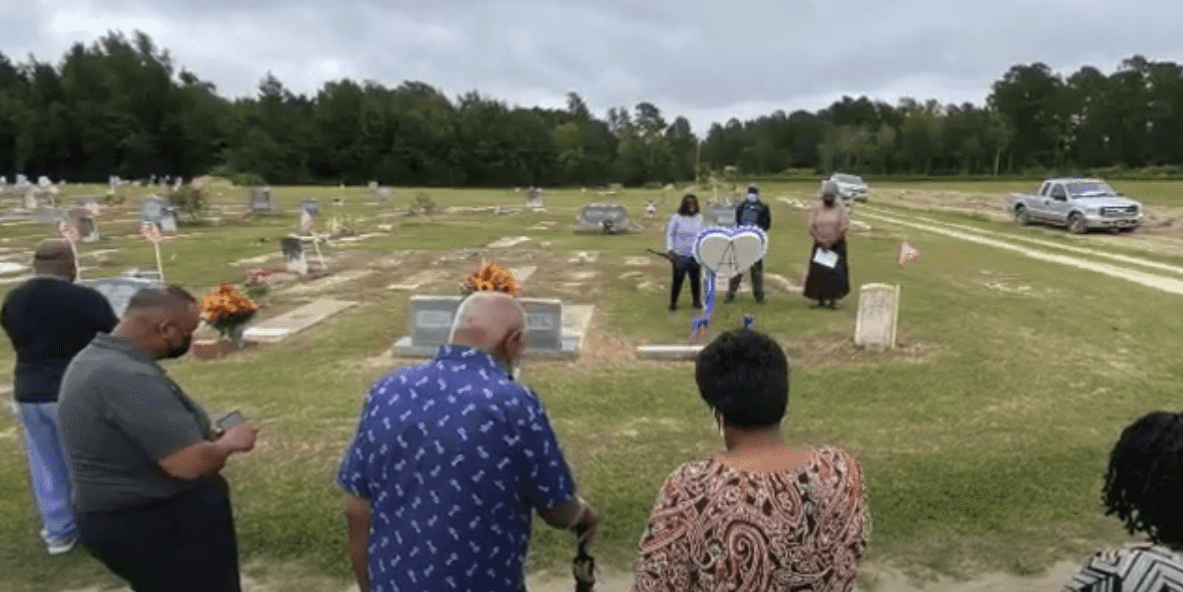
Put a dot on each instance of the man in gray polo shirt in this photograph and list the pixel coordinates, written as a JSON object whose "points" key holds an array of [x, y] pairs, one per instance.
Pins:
{"points": [[144, 460]]}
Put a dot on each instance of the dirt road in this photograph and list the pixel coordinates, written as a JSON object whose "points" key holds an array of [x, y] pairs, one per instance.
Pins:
{"points": [[1170, 281]]}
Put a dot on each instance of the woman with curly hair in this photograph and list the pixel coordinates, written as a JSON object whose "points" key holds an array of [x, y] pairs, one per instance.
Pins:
{"points": [[765, 515], [1144, 488]]}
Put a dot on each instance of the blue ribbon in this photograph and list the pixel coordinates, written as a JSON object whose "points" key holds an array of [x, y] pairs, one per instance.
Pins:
{"points": [[704, 321]]}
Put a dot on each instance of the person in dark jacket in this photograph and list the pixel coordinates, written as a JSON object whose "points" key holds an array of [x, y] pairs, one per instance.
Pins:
{"points": [[49, 319], [752, 212]]}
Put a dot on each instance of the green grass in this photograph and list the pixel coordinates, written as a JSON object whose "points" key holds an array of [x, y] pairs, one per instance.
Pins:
{"points": [[983, 439]]}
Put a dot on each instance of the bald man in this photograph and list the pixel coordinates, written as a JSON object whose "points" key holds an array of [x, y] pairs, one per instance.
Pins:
{"points": [[450, 461], [144, 459], [49, 319]]}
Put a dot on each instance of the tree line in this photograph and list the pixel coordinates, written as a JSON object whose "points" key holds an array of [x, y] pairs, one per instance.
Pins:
{"points": [[120, 106]]}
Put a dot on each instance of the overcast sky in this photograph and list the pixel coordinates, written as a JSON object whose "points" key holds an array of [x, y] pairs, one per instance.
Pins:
{"points": [[706, 60]]}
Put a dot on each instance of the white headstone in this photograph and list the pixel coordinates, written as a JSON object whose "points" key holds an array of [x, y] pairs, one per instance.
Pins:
{"points": [[878, 313], [44, 182]]}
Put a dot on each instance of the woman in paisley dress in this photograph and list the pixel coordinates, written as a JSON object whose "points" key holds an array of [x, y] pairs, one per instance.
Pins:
{"points": [[765, 515]]}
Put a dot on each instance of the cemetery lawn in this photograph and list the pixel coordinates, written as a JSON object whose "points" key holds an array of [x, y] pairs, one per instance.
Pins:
{"points": [[984, 437]]}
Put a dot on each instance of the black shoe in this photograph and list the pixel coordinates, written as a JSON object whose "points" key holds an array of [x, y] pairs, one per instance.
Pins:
{"points": [[759, 300], [673, 307], [729, 298]]}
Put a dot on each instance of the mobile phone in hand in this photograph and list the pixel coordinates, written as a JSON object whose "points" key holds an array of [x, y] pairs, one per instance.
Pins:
{"points": [[230, 420]]}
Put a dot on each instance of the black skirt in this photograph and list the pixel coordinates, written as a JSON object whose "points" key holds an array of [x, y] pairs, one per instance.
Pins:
{"points": [[828, 283]]}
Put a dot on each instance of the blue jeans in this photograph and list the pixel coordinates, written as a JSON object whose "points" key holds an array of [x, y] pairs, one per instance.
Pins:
{"points": [[48, 471]]}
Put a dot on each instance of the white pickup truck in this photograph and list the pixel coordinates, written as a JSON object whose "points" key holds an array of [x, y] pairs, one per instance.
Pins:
{"points": [[1078, 204]]}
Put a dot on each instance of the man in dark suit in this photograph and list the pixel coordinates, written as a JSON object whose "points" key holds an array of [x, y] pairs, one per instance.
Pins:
{"points": [[49, 319]]}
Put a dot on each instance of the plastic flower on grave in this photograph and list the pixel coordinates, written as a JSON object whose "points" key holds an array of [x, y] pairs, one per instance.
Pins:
{"points": [[227, 310], [492, 278], [260, 277]]}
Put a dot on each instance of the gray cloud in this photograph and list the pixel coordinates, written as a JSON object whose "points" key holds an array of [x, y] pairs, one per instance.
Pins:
{"points": [[706, 60]]}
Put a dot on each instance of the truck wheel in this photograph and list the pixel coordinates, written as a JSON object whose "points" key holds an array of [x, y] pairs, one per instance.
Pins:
{"points": [[1021, 215], [1076, 223]]}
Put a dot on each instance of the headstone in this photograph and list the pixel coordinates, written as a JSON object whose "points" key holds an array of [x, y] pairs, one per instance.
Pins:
{"points": [[878, 313], [262, 201], [534, 199], [429, 320], [160, 212], [87, 229], [373, 185], [384, 195], [293, 254], [118, 291], [544, 324], [312, 206], [21, 180], [603, 217], [30, 199], [720, 216], [44, 182]]}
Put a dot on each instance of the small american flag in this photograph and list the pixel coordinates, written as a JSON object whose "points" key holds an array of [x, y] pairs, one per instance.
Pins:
{"points": [[69, 231], [908, 253], [305, 221], [150, 231]]}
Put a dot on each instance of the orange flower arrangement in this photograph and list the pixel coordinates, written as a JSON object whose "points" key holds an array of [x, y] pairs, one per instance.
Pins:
{"points": [[228, 310], [492, 278]]}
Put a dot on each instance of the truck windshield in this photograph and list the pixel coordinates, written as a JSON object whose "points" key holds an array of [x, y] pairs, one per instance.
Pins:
{"points": [[853, 180], [1090, 189]]}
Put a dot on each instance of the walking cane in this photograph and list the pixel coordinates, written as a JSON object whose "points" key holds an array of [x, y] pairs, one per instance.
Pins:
{"points": [[583, 567]]}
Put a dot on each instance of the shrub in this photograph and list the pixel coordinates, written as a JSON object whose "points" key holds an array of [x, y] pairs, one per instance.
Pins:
{"points": [[422, 204], [189, 200]]}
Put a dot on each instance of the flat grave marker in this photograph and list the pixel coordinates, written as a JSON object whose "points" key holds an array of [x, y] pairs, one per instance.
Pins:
{"points": [[327, 283], [279, 328], [878, 314], [422, 278]]}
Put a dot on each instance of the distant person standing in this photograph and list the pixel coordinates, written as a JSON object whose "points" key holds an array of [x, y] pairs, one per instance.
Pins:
{"points": [[144, 458], [49, 319], [680, 236], [829, 275], [752, 212]]}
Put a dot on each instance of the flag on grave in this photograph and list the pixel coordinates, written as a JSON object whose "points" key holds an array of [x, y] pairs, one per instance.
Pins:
{"points": [[69, 231], [908, 253], [305, 221]]}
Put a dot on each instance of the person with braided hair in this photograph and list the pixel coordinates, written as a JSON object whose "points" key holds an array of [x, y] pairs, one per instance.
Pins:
{"points": [[1143, 486]]}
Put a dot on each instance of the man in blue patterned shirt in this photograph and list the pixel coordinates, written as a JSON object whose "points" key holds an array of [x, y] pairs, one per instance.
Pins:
{"points": [[450, 460]]}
